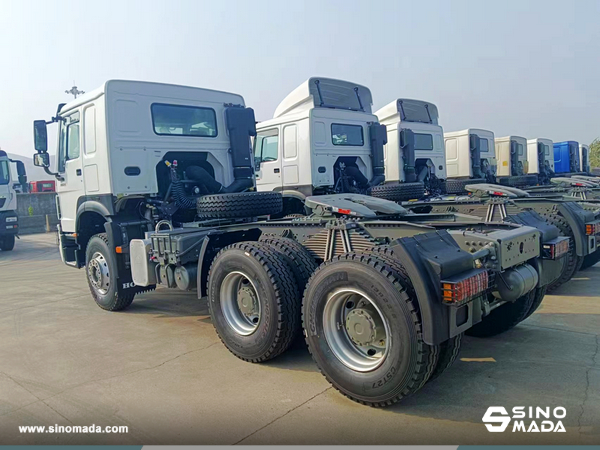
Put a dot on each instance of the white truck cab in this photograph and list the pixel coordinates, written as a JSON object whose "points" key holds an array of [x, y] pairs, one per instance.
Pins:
{"points": [[415, 141], [540, 159], [321, 140], [470, 156], [584, 158], [511, 153], [9, 221]]}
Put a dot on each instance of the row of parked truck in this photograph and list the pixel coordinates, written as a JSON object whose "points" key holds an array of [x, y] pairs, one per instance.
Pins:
{"points": [[326, 221]]}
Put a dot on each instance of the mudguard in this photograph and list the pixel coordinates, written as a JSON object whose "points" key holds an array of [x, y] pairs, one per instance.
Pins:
{"points": [[428, 258], [576, 218]]}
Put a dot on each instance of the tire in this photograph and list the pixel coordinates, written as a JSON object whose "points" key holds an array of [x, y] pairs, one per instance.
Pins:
{"points": [[239, 205], [454, 186], [574, 261], [504, 317], [298, 258], [399, 192], [537, 301], [590, 260], [270, 284], [448, 353], [7, 243], [100, 267], [407, 361]]}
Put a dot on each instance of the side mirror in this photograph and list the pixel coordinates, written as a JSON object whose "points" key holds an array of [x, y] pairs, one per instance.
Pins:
{"points": [[41, 160], [40, 136]]}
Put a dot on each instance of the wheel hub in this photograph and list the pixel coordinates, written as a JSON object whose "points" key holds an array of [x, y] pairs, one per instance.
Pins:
{"points": [[364, 327], [247, 301], [98, 273]]}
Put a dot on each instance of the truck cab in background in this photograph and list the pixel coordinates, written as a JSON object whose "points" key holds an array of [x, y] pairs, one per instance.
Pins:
{"points": [[513, 169], [9, 221], [415, 144], [540, 159], [566, 157], [323, 139], [584, 158], [470, 158]]}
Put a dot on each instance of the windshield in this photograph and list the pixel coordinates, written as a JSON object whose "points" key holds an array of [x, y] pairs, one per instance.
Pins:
{"points": [[184, 120], [4, 172]]}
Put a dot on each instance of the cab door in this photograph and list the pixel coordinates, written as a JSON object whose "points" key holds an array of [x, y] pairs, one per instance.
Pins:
{"points": [[267, 158], [71, 187]]}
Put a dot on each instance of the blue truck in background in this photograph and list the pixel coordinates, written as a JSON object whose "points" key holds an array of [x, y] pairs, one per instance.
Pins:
{"points": [[566, 157]]}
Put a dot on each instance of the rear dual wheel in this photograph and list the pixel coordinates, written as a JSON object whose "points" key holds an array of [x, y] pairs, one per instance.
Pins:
{"points": [[7, 243], [364, 331]]}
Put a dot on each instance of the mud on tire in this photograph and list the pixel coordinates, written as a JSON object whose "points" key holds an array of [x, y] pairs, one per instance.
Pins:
{"points": [[239, 205], [396, 373], [399, 192]]}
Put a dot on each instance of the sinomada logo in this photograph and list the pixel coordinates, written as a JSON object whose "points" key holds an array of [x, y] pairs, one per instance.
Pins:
{"points": [[526, 419]]}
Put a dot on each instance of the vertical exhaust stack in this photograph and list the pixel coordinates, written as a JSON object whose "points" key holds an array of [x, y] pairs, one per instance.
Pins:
{"points": [[241, 124], [407, 139], [378, 137], [474, 144]]}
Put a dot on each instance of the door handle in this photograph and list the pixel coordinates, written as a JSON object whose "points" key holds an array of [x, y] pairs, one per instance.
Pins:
{"points": [[276, 170], [78, 172]]}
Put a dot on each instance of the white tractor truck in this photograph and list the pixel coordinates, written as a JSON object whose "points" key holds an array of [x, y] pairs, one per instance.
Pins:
{"points": [[584, 158], [540, 159], [156, 186], [9, 220], [513, 168], [470, 158]]}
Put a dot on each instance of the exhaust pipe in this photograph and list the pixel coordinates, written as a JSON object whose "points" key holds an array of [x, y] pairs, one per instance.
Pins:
{"points": [[378, 138]]}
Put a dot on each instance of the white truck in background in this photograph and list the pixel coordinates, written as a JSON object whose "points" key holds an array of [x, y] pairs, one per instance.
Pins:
{"points": [[584, 158], [540, 159], [513, 169], [415, 148], [9, 220], [470, 158], [326, 125]]}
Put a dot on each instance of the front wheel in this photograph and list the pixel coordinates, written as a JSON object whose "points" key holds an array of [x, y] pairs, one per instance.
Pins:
{"points": [[7, 243], [101, 270], [364, 332]]}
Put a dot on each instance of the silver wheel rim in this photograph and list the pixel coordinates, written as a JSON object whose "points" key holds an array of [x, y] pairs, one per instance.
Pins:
{"points": [[240, 303], [98, 273], [355, 330]]}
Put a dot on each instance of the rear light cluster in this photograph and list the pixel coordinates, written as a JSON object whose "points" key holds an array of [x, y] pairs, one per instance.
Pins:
{"points": [[592, 228], [460, 291], [555, 250]]}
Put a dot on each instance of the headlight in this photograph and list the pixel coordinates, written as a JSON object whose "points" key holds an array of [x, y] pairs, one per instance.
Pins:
{"points": [[11, 219]]}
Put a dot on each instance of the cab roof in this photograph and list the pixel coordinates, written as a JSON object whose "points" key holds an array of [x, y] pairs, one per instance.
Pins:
{"points": [[318, 92], [409, 110]]}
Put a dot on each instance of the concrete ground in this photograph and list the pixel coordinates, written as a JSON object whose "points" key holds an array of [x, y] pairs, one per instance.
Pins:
{"points": [[160, 369]]}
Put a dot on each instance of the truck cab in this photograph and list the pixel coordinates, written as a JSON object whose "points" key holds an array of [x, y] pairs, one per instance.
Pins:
{"points": [[320, 141], [584, 158], [540, 158], [566, 157], [415, 143], [470, 156], [9, 221]]}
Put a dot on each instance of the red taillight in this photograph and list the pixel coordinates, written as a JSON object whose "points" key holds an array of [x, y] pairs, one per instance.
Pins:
{"points": [[465, 289], [344, 211], [592, 228], [556, 250]]}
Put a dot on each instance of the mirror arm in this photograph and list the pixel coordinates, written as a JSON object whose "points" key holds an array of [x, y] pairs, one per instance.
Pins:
{"points": [[54, 174]]}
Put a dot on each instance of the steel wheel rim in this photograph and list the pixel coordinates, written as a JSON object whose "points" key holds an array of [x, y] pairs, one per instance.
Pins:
{"points": [[240, 303], [356, 331], [98, 273]]}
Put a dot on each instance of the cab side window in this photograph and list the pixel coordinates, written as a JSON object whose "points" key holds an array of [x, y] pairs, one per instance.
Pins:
{"points": [[266, 146], [73, 147]]}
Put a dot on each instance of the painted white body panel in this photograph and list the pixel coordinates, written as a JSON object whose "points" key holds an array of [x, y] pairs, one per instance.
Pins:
{"points": [[532, 154], [458, 152], [503, 154], [116, 132], [7, 192], [311, 165]]}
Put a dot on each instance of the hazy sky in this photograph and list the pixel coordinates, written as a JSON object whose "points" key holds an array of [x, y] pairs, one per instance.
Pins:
{"points": [[514, 67]]}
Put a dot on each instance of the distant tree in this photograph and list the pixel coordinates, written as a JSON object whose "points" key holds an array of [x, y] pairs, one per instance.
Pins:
{"points": [[595, 153]]}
